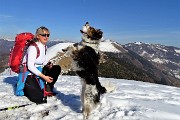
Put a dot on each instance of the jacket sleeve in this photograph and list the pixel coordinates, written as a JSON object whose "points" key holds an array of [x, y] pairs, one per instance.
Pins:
{"points": [[31, 58]]}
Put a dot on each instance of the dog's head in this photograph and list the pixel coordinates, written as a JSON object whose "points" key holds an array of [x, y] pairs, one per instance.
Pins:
{"points": [[91, 32], [91, 37]]}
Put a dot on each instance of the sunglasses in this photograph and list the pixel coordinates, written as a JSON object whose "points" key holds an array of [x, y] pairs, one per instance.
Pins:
{"points": [[45, 35]]}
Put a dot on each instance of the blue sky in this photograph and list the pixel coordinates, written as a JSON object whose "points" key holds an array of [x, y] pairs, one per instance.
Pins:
{"points": [[124, 21]]}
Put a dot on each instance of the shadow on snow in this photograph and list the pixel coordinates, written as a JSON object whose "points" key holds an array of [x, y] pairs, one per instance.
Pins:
{"points": [[71, 100], [12, 81]]}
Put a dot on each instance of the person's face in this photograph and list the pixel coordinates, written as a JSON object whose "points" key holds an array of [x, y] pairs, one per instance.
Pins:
{"points": [[43, 38]]}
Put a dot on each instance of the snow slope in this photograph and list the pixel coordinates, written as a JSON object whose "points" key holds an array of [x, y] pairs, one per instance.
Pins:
{"points": [[132, 100]]}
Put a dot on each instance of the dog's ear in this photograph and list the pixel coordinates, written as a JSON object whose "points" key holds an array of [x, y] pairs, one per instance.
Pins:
{"points": [[91, 31], [99, 30]]}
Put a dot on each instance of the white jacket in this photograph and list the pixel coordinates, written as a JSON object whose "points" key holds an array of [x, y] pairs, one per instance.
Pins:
{"points": [[32, 61]]}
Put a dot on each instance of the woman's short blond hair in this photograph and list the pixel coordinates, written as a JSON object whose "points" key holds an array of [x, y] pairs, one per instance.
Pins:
{"points": [[41, 30]]}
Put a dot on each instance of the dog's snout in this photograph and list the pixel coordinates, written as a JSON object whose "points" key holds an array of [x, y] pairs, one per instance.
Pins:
{"points": [[87, 23]]}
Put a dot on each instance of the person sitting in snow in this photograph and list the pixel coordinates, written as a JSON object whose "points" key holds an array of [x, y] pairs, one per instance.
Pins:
{"points": [[34, 88]]}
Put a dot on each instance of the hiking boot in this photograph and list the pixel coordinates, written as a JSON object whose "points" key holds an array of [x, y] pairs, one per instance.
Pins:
{"points": [[44, 100], [49, 93]]}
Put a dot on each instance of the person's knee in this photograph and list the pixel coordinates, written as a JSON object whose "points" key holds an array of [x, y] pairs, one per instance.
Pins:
{"points": [[56, 68]]}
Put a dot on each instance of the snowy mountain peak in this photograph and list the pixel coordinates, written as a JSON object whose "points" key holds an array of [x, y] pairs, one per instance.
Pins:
{"points": [[138, 43], [110, 46], [7, 38]]}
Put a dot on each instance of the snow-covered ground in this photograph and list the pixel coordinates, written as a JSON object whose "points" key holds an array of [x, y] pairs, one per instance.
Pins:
{"points": [[132, 100]]}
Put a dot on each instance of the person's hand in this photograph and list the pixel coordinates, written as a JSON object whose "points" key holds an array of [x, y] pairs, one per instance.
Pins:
{"points": [[48, 79]]}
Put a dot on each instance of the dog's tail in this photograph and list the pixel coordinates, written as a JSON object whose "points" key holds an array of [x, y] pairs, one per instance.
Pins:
{"points": [[109, 87]]}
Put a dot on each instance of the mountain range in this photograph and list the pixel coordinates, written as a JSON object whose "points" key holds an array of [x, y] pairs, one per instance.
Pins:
{"points": [[134, 61], [166, 58]]}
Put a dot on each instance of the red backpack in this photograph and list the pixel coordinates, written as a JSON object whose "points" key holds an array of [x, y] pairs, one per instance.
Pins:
{"points": [[22, 42]]}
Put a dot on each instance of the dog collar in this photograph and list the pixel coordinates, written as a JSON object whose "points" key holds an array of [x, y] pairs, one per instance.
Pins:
{"points": [[87, 40]]}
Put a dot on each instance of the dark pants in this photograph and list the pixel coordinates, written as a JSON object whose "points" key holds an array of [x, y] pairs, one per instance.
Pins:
{"points": [[32, 88], [54, 73]]}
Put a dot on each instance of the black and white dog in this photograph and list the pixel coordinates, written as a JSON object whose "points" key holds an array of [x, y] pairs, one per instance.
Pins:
{"points": [[86, 57]]}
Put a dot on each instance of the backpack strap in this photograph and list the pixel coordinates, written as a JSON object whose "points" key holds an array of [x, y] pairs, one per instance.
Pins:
{"points": [[45, 49], [35, 45]]}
